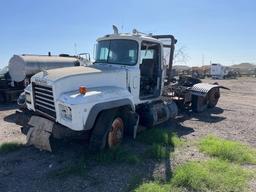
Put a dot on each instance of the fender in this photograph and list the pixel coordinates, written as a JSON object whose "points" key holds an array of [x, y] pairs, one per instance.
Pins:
{"points": [[85, 108], [96, 109], [202, 89]]}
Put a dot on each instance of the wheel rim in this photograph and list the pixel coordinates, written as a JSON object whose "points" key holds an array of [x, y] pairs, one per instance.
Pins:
{"points": [[115, 136]]}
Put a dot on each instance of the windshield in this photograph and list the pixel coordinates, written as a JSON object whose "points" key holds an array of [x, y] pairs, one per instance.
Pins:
{"points": [[118, 51]]}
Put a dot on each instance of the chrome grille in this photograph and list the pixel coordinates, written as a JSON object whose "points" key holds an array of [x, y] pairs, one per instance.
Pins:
{"points": [[43, 100]]}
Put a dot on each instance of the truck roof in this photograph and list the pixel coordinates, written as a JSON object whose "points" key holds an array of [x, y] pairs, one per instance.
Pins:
{"points": [[131, 36]]}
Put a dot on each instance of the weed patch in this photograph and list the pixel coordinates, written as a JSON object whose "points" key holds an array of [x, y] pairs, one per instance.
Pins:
{"points": [[158, 152], [161, 142], [116, 155], [159, 136], [9, 147], [134, 182], [152, 187], [156, 187], [211, 175], [75, 169], [227, 150]]}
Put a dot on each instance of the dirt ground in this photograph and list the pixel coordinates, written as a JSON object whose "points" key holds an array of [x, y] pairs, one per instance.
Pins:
{"points": [[28, 169]]}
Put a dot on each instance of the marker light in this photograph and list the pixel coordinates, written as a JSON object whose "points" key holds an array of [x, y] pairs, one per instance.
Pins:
{"points": [[82, 90]]}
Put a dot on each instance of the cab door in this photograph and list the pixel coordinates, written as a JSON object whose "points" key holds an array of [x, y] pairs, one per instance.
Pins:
{"points": [[150, 70]]}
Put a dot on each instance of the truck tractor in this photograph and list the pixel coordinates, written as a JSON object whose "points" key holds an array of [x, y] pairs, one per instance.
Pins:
{"points": [[126, 86]]}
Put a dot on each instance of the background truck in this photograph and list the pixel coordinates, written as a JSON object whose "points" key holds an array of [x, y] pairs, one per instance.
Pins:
{"points": [[218, 71], [128, 85], [16, 76]]}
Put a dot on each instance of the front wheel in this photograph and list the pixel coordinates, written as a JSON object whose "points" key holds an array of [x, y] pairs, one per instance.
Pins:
{"points": [[116, 134], [108, 130]]}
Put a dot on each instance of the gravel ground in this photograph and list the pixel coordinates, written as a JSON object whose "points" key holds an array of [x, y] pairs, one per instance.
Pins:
{"points": [[28, 169]]}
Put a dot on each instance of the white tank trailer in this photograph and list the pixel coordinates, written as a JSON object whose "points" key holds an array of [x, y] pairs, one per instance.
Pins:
{"points": [[22, 67]]}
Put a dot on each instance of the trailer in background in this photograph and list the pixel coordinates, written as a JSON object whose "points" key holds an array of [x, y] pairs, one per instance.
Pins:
{"points": [[16, 76], [9, 90]]}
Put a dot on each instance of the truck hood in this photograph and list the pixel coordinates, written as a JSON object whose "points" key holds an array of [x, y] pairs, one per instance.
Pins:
{"points": [[57, 74], [70, 78]]}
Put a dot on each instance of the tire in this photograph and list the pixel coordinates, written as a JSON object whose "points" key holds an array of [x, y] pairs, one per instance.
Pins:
{"points": [[199, 103], [108, 130], [213, 97]]}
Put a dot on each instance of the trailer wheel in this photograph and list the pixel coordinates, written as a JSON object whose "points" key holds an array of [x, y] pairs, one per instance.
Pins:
{"points": [[108, 130], [199, 103], [213, 97]]}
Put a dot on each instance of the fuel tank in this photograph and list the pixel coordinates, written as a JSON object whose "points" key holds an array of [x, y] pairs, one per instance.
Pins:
{"points": [[157, 112]]}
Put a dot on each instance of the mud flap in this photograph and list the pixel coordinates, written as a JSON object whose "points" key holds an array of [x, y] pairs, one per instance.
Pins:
{"points": [[132, 122], [40, 132]]}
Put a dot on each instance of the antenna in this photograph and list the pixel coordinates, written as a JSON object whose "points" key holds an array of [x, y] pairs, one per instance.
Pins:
{"points": [[115, 29]]}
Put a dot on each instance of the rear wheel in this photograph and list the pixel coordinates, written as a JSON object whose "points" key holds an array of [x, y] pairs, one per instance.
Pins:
{"points": [[199, 103], [213, 97], [108, 130]]}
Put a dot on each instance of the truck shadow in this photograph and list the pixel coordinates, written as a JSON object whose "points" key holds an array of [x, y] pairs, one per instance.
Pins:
{"points": [[174, 126], [18, 117], [208, 116], [10, 118], [8, 106]]}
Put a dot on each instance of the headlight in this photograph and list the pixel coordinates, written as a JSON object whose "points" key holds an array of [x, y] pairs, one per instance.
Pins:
{"points": [[28, 97], [65, 112]]}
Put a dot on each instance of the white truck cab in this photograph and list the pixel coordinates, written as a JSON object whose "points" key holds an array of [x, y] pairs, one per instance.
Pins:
{"points": [[109, 98], [218, 71]]}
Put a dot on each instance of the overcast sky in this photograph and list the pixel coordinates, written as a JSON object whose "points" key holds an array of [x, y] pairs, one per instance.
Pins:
{"points": [[222, 31]]}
